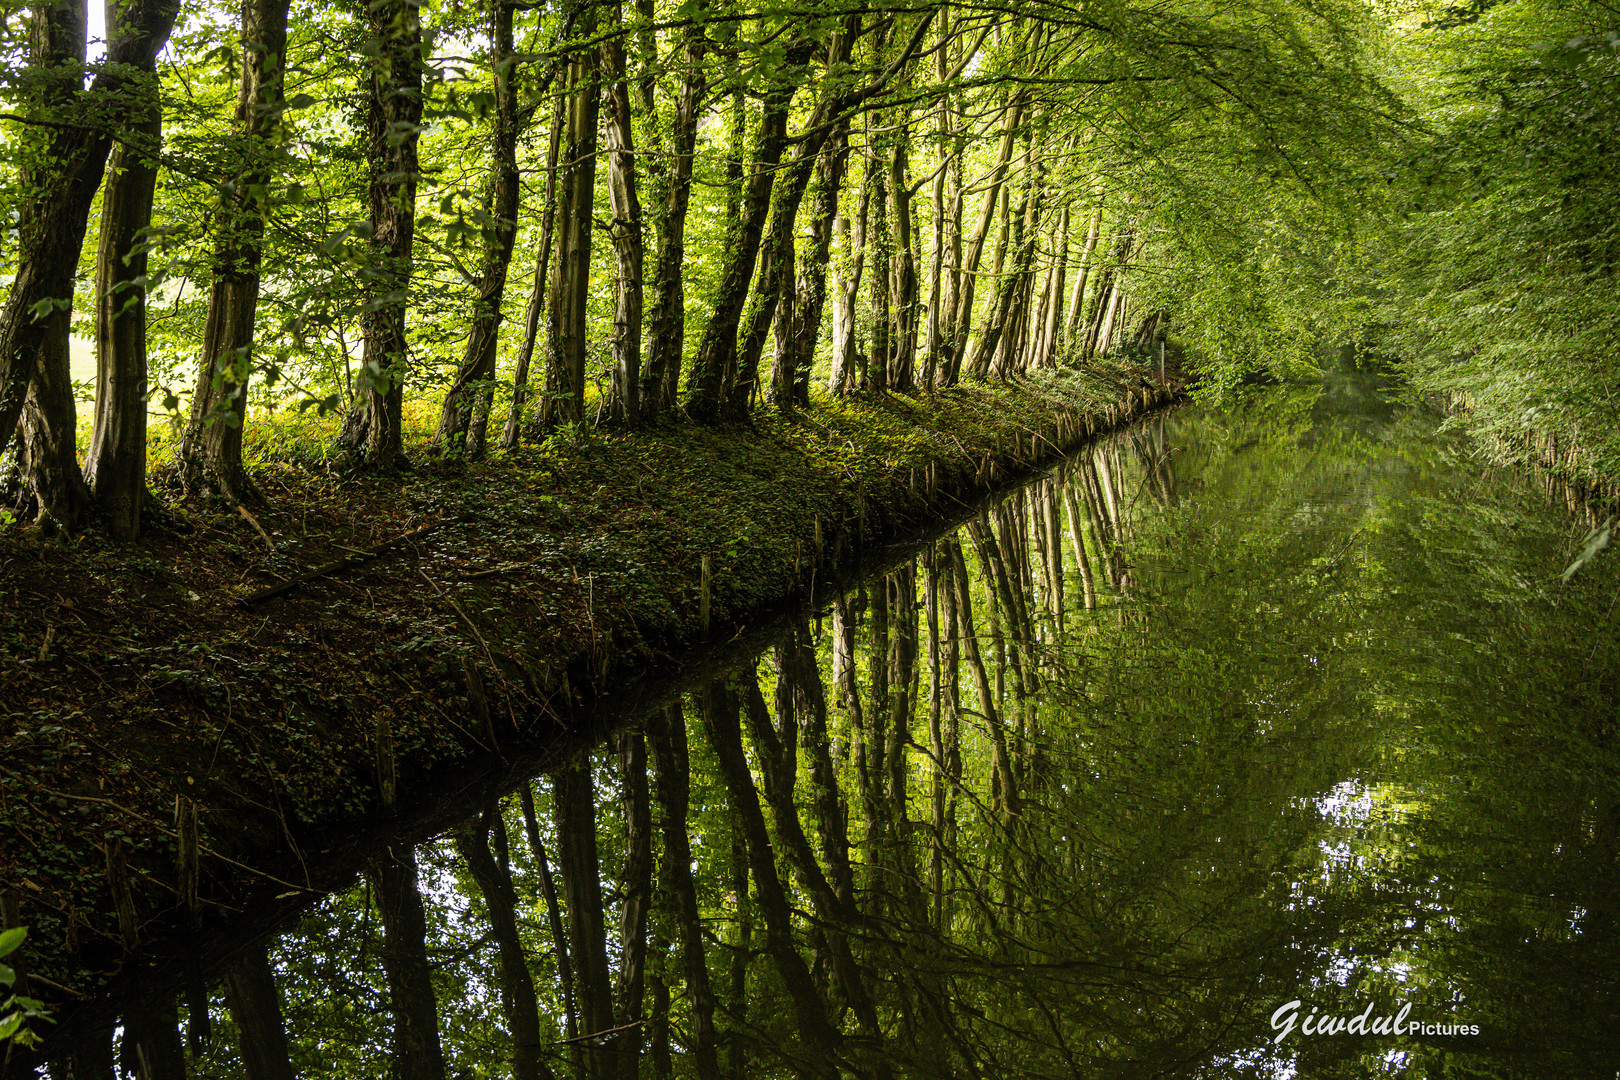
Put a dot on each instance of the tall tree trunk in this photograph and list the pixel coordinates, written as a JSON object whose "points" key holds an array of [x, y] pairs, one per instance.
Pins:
{"points": [[115, 467], [494, 881], [626, 234], [714, 369], [250, 993], [1077, 301], [846, 360], [210, 453], [537, 292], [775, 277], [393, 121], [800, 326], [961, 323], [666, 323], [903, 270], [464, 419], [50, 227], [567, 331], [417, 1053]]}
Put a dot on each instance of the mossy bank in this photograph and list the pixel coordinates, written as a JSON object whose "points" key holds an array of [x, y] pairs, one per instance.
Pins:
{"points": [[160, 714]]}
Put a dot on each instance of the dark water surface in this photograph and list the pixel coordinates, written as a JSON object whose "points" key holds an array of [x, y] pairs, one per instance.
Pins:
{"points": [[1279, 703]]}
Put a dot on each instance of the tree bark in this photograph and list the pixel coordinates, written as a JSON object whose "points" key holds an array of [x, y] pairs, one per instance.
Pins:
{"points": [[464, 419], [666, 323], [961, 322], [210, 454], [393, 123], [624, 395], [417, 1052], [250, 993], [715, 367], [152, 1049], [566, 328], [800, 325], [50, 228], [537, 293], [115, 467]]}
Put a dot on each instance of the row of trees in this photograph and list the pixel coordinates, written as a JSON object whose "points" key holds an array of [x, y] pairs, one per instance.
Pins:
{"points": [[716, 199]]}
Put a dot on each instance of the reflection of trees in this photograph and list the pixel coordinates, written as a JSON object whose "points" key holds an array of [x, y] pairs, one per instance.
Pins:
{"points": [[1055, 800]]}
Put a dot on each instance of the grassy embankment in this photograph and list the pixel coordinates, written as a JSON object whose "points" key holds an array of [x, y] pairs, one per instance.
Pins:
{"points": [[137, 684]]}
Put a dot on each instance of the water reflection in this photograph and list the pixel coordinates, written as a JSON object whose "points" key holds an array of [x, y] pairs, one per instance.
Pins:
{"points": [[1282, 703]]}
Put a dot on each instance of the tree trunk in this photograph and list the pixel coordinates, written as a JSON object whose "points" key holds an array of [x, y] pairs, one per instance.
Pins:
{"points": [[666, 323], [116, 464], [417, 1053], [250, 993], [846, 360], [210, 454], [800, 326], [152, 1049], [1077, 302], [494, 881], [961, 321], [394, 116], [464, 419], [624, 395], [35, 384], [537, 294], [566, 330], [715, 368]]}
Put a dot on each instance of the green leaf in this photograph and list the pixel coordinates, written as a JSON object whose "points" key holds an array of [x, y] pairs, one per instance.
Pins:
{"points": [[11, 939], [9, 1026]]}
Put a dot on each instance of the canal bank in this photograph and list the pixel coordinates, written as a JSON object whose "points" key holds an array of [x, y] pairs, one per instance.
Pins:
{"points": [[181, 725]]}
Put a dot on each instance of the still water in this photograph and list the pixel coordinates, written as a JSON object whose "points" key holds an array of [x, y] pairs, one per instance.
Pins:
{"points": [[1238, 722]]}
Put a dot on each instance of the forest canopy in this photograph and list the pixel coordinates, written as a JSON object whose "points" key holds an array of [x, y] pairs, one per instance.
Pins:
{"points": [[355, 231]]}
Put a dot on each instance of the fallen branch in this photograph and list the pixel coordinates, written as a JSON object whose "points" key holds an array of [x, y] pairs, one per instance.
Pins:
{"points": [[345, 563]]}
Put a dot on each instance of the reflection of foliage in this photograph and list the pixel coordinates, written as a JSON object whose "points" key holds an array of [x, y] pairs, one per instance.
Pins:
{"points": [[16, 1010]]}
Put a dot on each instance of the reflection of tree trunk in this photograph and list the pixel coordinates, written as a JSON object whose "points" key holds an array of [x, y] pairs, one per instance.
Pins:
{"points": [[637, 892], [494, 881], [152, 1049], [250, 992], [417, 1053], [669, 768], [575, 804], [90, 1057], [1004, 792], [1077, 539], [741, 953], [720, 717], [559, 937]]}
